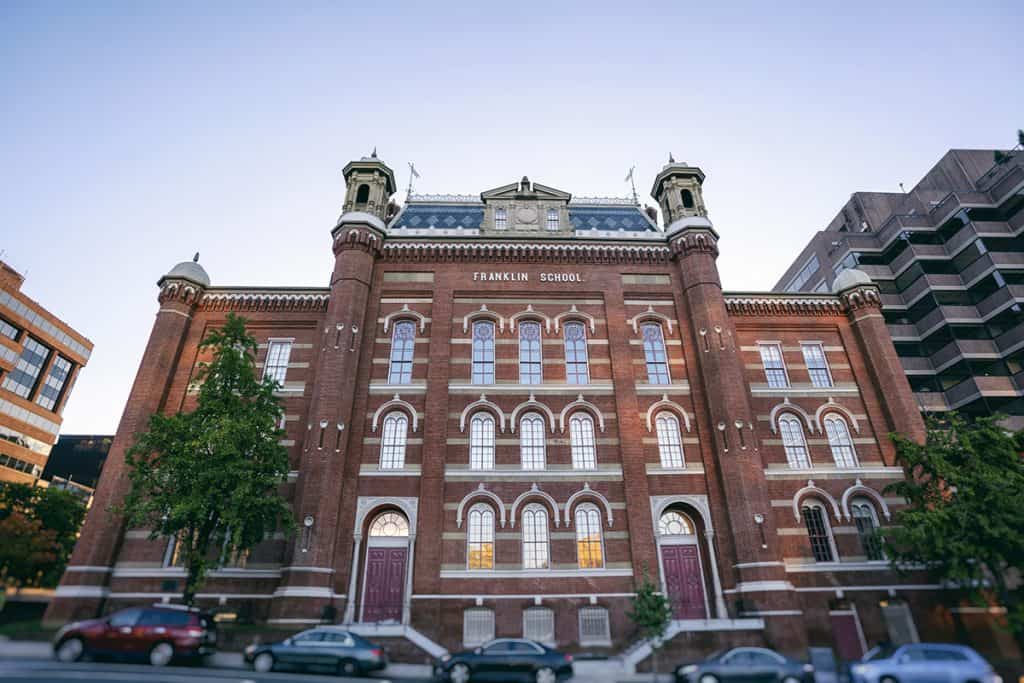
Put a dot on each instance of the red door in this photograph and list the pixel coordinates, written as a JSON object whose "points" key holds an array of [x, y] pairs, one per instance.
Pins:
{"points": [[385, 583], [846, 634], [684, 580]]}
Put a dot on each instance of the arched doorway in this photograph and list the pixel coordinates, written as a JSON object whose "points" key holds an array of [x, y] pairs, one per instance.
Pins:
{"points": [[387, 556], [681, 565]]}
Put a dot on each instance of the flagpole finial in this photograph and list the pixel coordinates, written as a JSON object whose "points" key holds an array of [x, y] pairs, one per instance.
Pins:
{"points": [[373, 154], [671, 159]]}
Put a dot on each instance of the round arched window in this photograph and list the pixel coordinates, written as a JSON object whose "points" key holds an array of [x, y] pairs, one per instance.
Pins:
{"points": [[390, 524], [673, 523]]}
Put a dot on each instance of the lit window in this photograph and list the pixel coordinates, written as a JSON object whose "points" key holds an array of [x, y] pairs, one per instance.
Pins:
{"points": [[867, 528], [480, 544], [477, 626], [818, 532], [530, 370], [539, 624], [392, 444], [670, 444], [581, 441], [774, 367], [840, 442], [483, 352], [500, 219], [817, 365], [49, 393], [22, 378], [793, 441], [531, 441], [481, 442], [552, 220], [594, 626], [674, 523], [655, 355], [576, 362], [276, 366], [589, 550], [390, 525], [403, 338], [535, 537]]}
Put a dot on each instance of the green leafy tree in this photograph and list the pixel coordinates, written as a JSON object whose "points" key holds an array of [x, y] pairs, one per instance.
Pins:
{"points": [[650, 612], [211, 478], [964, 519], [57, 512], [26, 548]]}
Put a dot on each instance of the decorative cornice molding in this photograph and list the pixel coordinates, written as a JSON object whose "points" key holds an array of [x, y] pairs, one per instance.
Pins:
{"points": [[265, 300], [696, 241], [511, 252], [446, 198], [782, 304], [353, 234], [603, 201], [865, 296], [184, 291]]}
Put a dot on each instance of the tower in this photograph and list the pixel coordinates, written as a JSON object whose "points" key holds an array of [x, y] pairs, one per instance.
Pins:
{"points": [[369, 185], [677, 189]]}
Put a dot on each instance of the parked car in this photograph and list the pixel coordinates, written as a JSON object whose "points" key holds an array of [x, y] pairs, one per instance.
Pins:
{"points": [[746, 665], [923, 663], [159, 633], [505, 659], [324, 647]]}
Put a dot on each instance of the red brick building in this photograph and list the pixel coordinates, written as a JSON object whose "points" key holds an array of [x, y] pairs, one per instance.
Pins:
{"points": [[505, 407]]}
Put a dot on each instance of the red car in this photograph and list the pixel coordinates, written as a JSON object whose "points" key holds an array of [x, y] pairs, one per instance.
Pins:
{"points": [[159, 633]]}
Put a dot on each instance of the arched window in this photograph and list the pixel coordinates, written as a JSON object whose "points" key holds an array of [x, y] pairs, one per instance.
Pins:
{"points": [[589, 546], [552, 223], [840, 442], [480, 542], [531, 441], [670, 444], [389, 525], [581, 441], [674, 523], [483, 352], [403, 337], [500, 219], [655, 355], [793, 441], [535, 537], [687, 198], [867, 528], [481, 442], [819, 532], [577, 369], [363, 194], [530, 368], [392, 443]]}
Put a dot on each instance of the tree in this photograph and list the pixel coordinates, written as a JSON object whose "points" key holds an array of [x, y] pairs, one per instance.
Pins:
{"points": [[27, 547], [651, 614], [210, 478], [57, 512], [963, 519]]}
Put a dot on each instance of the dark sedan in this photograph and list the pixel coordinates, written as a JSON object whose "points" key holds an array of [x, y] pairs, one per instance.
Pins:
{"points": [[506, 659], [325, 647], [746, 665]]}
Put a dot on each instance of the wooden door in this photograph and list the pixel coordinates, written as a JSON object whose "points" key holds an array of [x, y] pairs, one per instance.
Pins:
{"points": [[684, 580], [846, 634], [385, 584]]}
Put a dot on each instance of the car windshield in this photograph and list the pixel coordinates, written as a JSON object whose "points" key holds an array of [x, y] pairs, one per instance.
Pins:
{"points": [[878, 652]]}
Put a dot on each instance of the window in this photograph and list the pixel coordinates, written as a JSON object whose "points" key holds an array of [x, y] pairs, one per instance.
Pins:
{"points": [[480, 544], [49, 393], [403, 338], [126, 617], [670, 445], [655, 355], [477, 626], [840, 442], [867, 528], [390, 525], [539, 624], [363, 194], [530, 369], [818, 532], [276, 366], [594, 627], [774, 367], [309, 637], [8, 330], [589, 551], [535, 537], [500, 219], [22, 378], [673, 523], [483, 352], [576, 364], [687, 198], [793, 441], [392, 444], [581, 441], [817, 365], [531, 442], [808, 271], [481, 442], [552, 220]]}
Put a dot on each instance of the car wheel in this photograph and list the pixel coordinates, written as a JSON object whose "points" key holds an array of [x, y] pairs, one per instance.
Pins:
{"points": [[460, 673], [790, 679], [71, 650], [263, 662], [545, 675], [161, 654], [347, 667], [888, 679], [708, 678]]}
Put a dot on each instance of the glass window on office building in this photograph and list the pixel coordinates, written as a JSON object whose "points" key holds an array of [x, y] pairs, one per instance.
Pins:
{"points": [[22, 378], [49, 393], [803, 277]]}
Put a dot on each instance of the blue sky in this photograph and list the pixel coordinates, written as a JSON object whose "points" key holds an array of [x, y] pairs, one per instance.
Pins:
{"points": [[136, 134]]}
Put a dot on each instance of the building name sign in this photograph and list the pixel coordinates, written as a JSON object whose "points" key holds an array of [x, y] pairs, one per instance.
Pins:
{"points": [[506, 276]]}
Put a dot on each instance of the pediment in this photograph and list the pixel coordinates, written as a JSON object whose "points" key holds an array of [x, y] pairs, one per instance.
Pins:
{"points": [[525, 189]]}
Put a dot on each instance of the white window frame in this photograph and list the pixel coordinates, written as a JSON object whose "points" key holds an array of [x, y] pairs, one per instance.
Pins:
{"points": [[651, 355], [768, 360], [477, 626], [400, 367], [590, 516], [500, 219], [536, 537], [281, 362], [479, 532], [582, 441], [670, 441], [599, 620], [791, 429], [483, 356], [533, 357], [552, 223], [539, 624], [813, 353], [481, 441], [577, 355], [823, 512], [840, 441], [532, 447], [861, 502], [393, 441]]}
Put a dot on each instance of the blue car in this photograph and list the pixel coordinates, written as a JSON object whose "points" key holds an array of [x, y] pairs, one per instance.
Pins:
{"points": [[923, 663]]}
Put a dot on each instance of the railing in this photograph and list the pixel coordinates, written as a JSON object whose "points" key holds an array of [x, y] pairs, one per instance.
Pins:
{"points": [[955, 350], [916, 365], [947, 313]]}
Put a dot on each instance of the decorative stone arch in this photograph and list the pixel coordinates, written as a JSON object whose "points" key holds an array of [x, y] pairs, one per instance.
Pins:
{"points": [[580, 404], [405, 313], [587, 493], [650, 315], [481, 404], [859, 489], [659, 504], [534, 492], [480, 492], [833, 407], [396, 402], [788, 407], [529, 314], [367, 507], [671, 406], [575, 314], [482, 314], [530, 404], [815, 492]]}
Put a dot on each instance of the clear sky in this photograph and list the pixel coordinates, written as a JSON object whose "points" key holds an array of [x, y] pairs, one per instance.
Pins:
{"points": [[136, 134]]}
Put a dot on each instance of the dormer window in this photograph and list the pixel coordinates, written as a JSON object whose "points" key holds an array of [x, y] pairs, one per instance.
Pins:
{"points": [[500, 219], [552, 220], [687, 198]]}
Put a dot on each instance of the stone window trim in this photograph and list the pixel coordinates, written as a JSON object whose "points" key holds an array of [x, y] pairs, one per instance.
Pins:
{"points": [[481, 492], [534, 493], [811, 490], [587, 495], [529, 315], [575, 315], [789, 407], [651, 315], [394, 440], [580, 404], [485, 405], [396, 403], [859, 490], [670, 442], [483, 313], [833, 406], [406, 313], [531, 405], [665, 403]]}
